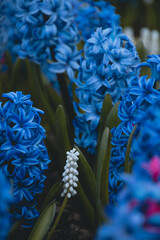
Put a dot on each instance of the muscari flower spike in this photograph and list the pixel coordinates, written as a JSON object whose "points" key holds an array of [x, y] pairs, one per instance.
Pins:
{"points": [[93, 14], [23, 155], [70, 174], [5, 202], [132, 108], [110, 62], [49, 35]]}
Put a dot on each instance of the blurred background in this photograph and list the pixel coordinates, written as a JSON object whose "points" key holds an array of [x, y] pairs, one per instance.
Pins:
{"points": [[140, 21]]}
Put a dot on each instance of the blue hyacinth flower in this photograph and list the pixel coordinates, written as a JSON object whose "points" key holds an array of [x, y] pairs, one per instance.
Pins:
{"points": [[132, 108], [5, 203], [109, 64], [93, 14], [137, 212], [49, 35], [24, 157]]}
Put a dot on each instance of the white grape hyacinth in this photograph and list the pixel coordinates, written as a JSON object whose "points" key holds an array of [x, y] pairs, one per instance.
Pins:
{"points": [[70, 174]]}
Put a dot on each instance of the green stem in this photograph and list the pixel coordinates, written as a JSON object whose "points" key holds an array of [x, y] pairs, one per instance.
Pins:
{"points": [[39, 95], [58, 218], [127, 156], [15, 74], [38, 72], [66, 99], [12, 233]]}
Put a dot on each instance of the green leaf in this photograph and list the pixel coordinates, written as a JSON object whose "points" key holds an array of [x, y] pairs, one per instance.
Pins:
{"points": [[43, 223], [105, 176], [55, 190], [53, 97], [102, 169], [35, 83], [16, 72], [86, 177], [9, 62], [113, 119], [85, 204], [106, 108], [67, 102], [62, 140], [13, 231], [126, 162]]}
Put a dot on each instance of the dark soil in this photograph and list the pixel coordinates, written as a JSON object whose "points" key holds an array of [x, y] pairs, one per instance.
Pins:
{"points": [[71, 226]]}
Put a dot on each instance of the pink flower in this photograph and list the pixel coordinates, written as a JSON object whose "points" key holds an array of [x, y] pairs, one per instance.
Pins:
{"points": [[153, 168]]}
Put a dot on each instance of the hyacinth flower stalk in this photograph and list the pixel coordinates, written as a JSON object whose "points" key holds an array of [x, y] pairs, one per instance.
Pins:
{"points": [[69, 180], [137, 214], [47, 35], [140, 198], [132, 108], [92, 14], [148, 143], [110, 62], [42, 31], [5, 203], [24, 157]]}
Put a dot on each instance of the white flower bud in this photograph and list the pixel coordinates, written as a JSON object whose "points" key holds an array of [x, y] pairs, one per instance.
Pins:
{"points": [[66, 185], [67, 165], [74, 192], [69, 195], [66, 178], [67, 171], [71, 189], [70, 176], [62, 194], [71, 182], [65, 191], [75, 184], [75, 179]]}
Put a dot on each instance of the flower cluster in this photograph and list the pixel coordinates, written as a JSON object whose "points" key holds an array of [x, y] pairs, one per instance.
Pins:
{"points": [[109, 64], [93, 14], [139, 202], [49, 35], [23, 155], [137, 215], [70, 174], [148, 143], [5, 201], [132, 110]]}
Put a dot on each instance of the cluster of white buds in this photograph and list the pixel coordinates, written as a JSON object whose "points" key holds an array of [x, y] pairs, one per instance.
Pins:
{"points": [[70, 173], [149, 38]]}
